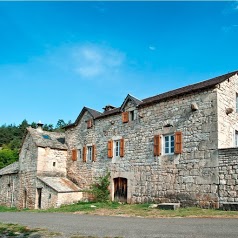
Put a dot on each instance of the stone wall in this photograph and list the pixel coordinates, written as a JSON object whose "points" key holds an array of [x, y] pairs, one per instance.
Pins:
{"points": [[191, 176], [9, 184], [228, 175], [51, 162], [27, 175], [227, 123], [49, 197]]}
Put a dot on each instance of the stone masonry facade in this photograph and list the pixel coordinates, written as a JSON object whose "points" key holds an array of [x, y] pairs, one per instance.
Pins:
{"points": [[174, 147]]}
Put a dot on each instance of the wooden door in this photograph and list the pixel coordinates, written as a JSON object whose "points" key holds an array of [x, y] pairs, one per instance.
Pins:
{"points": [[39, 193], [120, 189]]}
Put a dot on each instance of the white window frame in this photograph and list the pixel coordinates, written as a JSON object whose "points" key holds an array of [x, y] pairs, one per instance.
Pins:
{"points": [[168, 144], [116, 147], [89, 153], [236, 138]]}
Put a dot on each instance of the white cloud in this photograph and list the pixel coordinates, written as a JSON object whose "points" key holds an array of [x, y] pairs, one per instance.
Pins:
{"points": [[93, 60], [151, 47]]}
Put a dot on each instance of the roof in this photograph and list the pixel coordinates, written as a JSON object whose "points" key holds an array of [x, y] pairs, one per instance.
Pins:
{"points": [[173, 93], [189, 89], [129, 97], [93, 113], [10, 169], [60, 184], [54, 140]]}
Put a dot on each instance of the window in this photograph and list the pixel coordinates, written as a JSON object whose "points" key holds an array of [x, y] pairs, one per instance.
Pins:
{"points": [[117, 148], [90, 153], [128, 116], [79, 154], [236, 138], [132, 115], [236, 102], [169, 144], [54, 164]]}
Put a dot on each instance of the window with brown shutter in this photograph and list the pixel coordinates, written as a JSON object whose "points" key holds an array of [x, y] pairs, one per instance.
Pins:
{"points": [[157, 145], [74, 155], [94, 153], [122, 147], [110, 149], [84, 154], [89, 123], [125, 117], [178, 142]]}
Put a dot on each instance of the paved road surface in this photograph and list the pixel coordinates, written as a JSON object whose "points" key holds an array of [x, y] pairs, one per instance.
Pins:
{"points": [[104, 226]]}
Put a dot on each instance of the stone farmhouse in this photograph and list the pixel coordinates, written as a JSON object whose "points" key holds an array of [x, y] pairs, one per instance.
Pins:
{"points": [[179, 146]]}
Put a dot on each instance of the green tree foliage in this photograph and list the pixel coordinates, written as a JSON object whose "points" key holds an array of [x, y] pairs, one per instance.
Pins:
{"points": [[7, 156]]}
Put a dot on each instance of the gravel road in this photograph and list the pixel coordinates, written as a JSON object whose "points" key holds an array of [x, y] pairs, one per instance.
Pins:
{"points": [[105, 226]]}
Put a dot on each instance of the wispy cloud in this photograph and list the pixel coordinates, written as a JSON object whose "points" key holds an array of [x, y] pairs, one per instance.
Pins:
{"points": [[92, 61], [227, 29], [84, 61], [151, 47]]}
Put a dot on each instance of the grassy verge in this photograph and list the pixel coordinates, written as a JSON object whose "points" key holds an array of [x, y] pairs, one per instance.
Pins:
{"points": [[139, 210], [8, 209]]}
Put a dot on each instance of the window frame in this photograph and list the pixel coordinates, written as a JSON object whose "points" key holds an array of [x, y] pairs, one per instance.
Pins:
{"points": [[116, 148], [89, 153], [236, 138], [169, 144]]}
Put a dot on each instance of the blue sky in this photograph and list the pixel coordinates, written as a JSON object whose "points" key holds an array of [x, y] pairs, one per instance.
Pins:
{"points": [[56, 57]]}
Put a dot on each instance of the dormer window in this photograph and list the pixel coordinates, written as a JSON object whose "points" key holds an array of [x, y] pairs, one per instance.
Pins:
{"points": [[128, 116], [90, 123], [132, 115]]}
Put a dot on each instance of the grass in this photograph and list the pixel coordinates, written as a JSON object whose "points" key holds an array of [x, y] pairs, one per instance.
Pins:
{"points": [[138, 210], [15, 230], [8, 209]]}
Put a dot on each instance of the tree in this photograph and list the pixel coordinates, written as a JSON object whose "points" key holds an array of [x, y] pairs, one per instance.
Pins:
{"points": [[60, 124], [7, 156]]}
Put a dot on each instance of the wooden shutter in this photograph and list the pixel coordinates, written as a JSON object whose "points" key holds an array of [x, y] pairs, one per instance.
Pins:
{"points": [[122, 147], [157, 145], [125, 117], [84, 154], [89, 123], [178, 142], [94, 153], [74, 155], [110, 149]]}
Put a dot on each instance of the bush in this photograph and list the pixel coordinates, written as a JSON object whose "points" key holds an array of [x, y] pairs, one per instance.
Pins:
{"points": [[100, 189]]}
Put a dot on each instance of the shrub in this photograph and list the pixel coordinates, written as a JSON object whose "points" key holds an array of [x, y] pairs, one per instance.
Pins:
{"points": [[100, 189]]}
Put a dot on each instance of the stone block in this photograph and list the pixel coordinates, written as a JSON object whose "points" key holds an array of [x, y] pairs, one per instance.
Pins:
{"points": [[168, 206]]}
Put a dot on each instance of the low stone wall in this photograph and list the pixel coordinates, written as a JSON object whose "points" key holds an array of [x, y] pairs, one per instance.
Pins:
{"points": [[228, 174]]}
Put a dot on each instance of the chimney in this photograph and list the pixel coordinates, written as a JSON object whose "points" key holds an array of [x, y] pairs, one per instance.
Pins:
{"points": [[108, 108], [39, 126]]}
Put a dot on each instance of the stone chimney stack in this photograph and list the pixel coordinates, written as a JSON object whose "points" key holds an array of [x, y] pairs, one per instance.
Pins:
{"points": [[108, 108], [39, 126]]}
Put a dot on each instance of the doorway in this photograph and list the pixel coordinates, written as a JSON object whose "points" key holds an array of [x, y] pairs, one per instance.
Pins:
{"points": [[120, 189], [25, 199], [39, 193]]}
